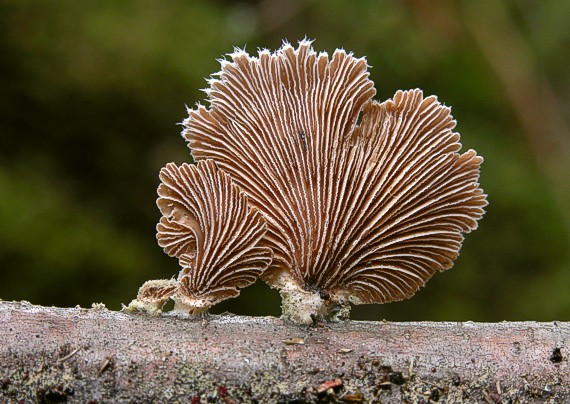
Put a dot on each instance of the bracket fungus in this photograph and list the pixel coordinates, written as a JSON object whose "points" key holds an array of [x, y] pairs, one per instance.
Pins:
{"points": [[217, 237], [365, 201]]}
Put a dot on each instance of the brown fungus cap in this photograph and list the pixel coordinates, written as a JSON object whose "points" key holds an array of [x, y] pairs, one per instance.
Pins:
{"points": [[217, 237], [364, 201]]}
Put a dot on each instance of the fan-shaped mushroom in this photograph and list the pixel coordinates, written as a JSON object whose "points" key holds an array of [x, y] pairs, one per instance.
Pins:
{"points": [[365, 201], [218, 239]]}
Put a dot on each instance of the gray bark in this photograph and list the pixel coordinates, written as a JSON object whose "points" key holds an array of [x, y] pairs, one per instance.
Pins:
{"points": [[96, 355]]}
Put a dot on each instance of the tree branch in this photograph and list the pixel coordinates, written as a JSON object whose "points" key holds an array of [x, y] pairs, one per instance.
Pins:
{"points": [[96, 355]]}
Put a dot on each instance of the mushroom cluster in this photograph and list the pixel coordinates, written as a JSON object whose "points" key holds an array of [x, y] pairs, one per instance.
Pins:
{"points": [[364, 201]]}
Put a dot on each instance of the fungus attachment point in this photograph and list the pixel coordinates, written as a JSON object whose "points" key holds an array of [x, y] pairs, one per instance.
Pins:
{"points": [[307, 307], [218, 239], [152, 296], [365, 203]]}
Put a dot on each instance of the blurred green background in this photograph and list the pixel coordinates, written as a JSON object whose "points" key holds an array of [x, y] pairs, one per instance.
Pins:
{"points": [[92, 94]]}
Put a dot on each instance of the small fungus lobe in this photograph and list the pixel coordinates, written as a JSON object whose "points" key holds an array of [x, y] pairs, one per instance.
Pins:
{"points": [[217, 237]]}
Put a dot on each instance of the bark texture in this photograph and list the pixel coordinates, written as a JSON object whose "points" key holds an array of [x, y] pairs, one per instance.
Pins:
{"points": [[96, 355]]}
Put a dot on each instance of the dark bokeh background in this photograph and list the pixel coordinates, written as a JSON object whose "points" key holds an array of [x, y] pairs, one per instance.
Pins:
{"points": [[91, 94]]}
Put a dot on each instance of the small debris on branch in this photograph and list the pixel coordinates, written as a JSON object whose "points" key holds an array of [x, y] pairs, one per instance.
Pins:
{"points": [[294, 341], [328, 385], [556, 356]]}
